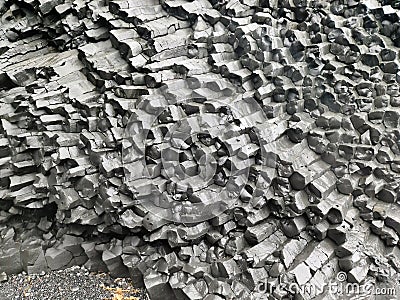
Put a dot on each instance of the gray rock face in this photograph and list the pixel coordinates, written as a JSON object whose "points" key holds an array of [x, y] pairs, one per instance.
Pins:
{"points": [[205, 148], [57, 258], [10, 261], [158, 286]]}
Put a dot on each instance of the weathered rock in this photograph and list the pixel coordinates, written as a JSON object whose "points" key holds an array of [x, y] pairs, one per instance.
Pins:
{"points": [[57, 258], [157, 286]]}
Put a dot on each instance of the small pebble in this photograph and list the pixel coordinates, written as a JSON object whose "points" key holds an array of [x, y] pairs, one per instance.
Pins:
{"points": [[3, 277]]}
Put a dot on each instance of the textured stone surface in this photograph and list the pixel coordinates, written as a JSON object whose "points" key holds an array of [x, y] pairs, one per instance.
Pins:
{"points": [[201, 147]]}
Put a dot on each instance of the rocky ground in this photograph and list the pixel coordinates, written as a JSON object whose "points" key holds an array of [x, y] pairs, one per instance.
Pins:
{"points": [[70, 284]]}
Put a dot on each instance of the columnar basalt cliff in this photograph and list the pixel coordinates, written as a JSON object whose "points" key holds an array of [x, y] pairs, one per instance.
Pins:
{"points": [[205, 148]]}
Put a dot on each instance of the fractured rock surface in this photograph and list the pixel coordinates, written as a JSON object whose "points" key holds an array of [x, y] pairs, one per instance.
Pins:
{"points": [[202, 147]]}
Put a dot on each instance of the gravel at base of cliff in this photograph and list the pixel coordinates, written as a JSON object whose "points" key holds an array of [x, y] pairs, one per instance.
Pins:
{"points": [[75, 283]]}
